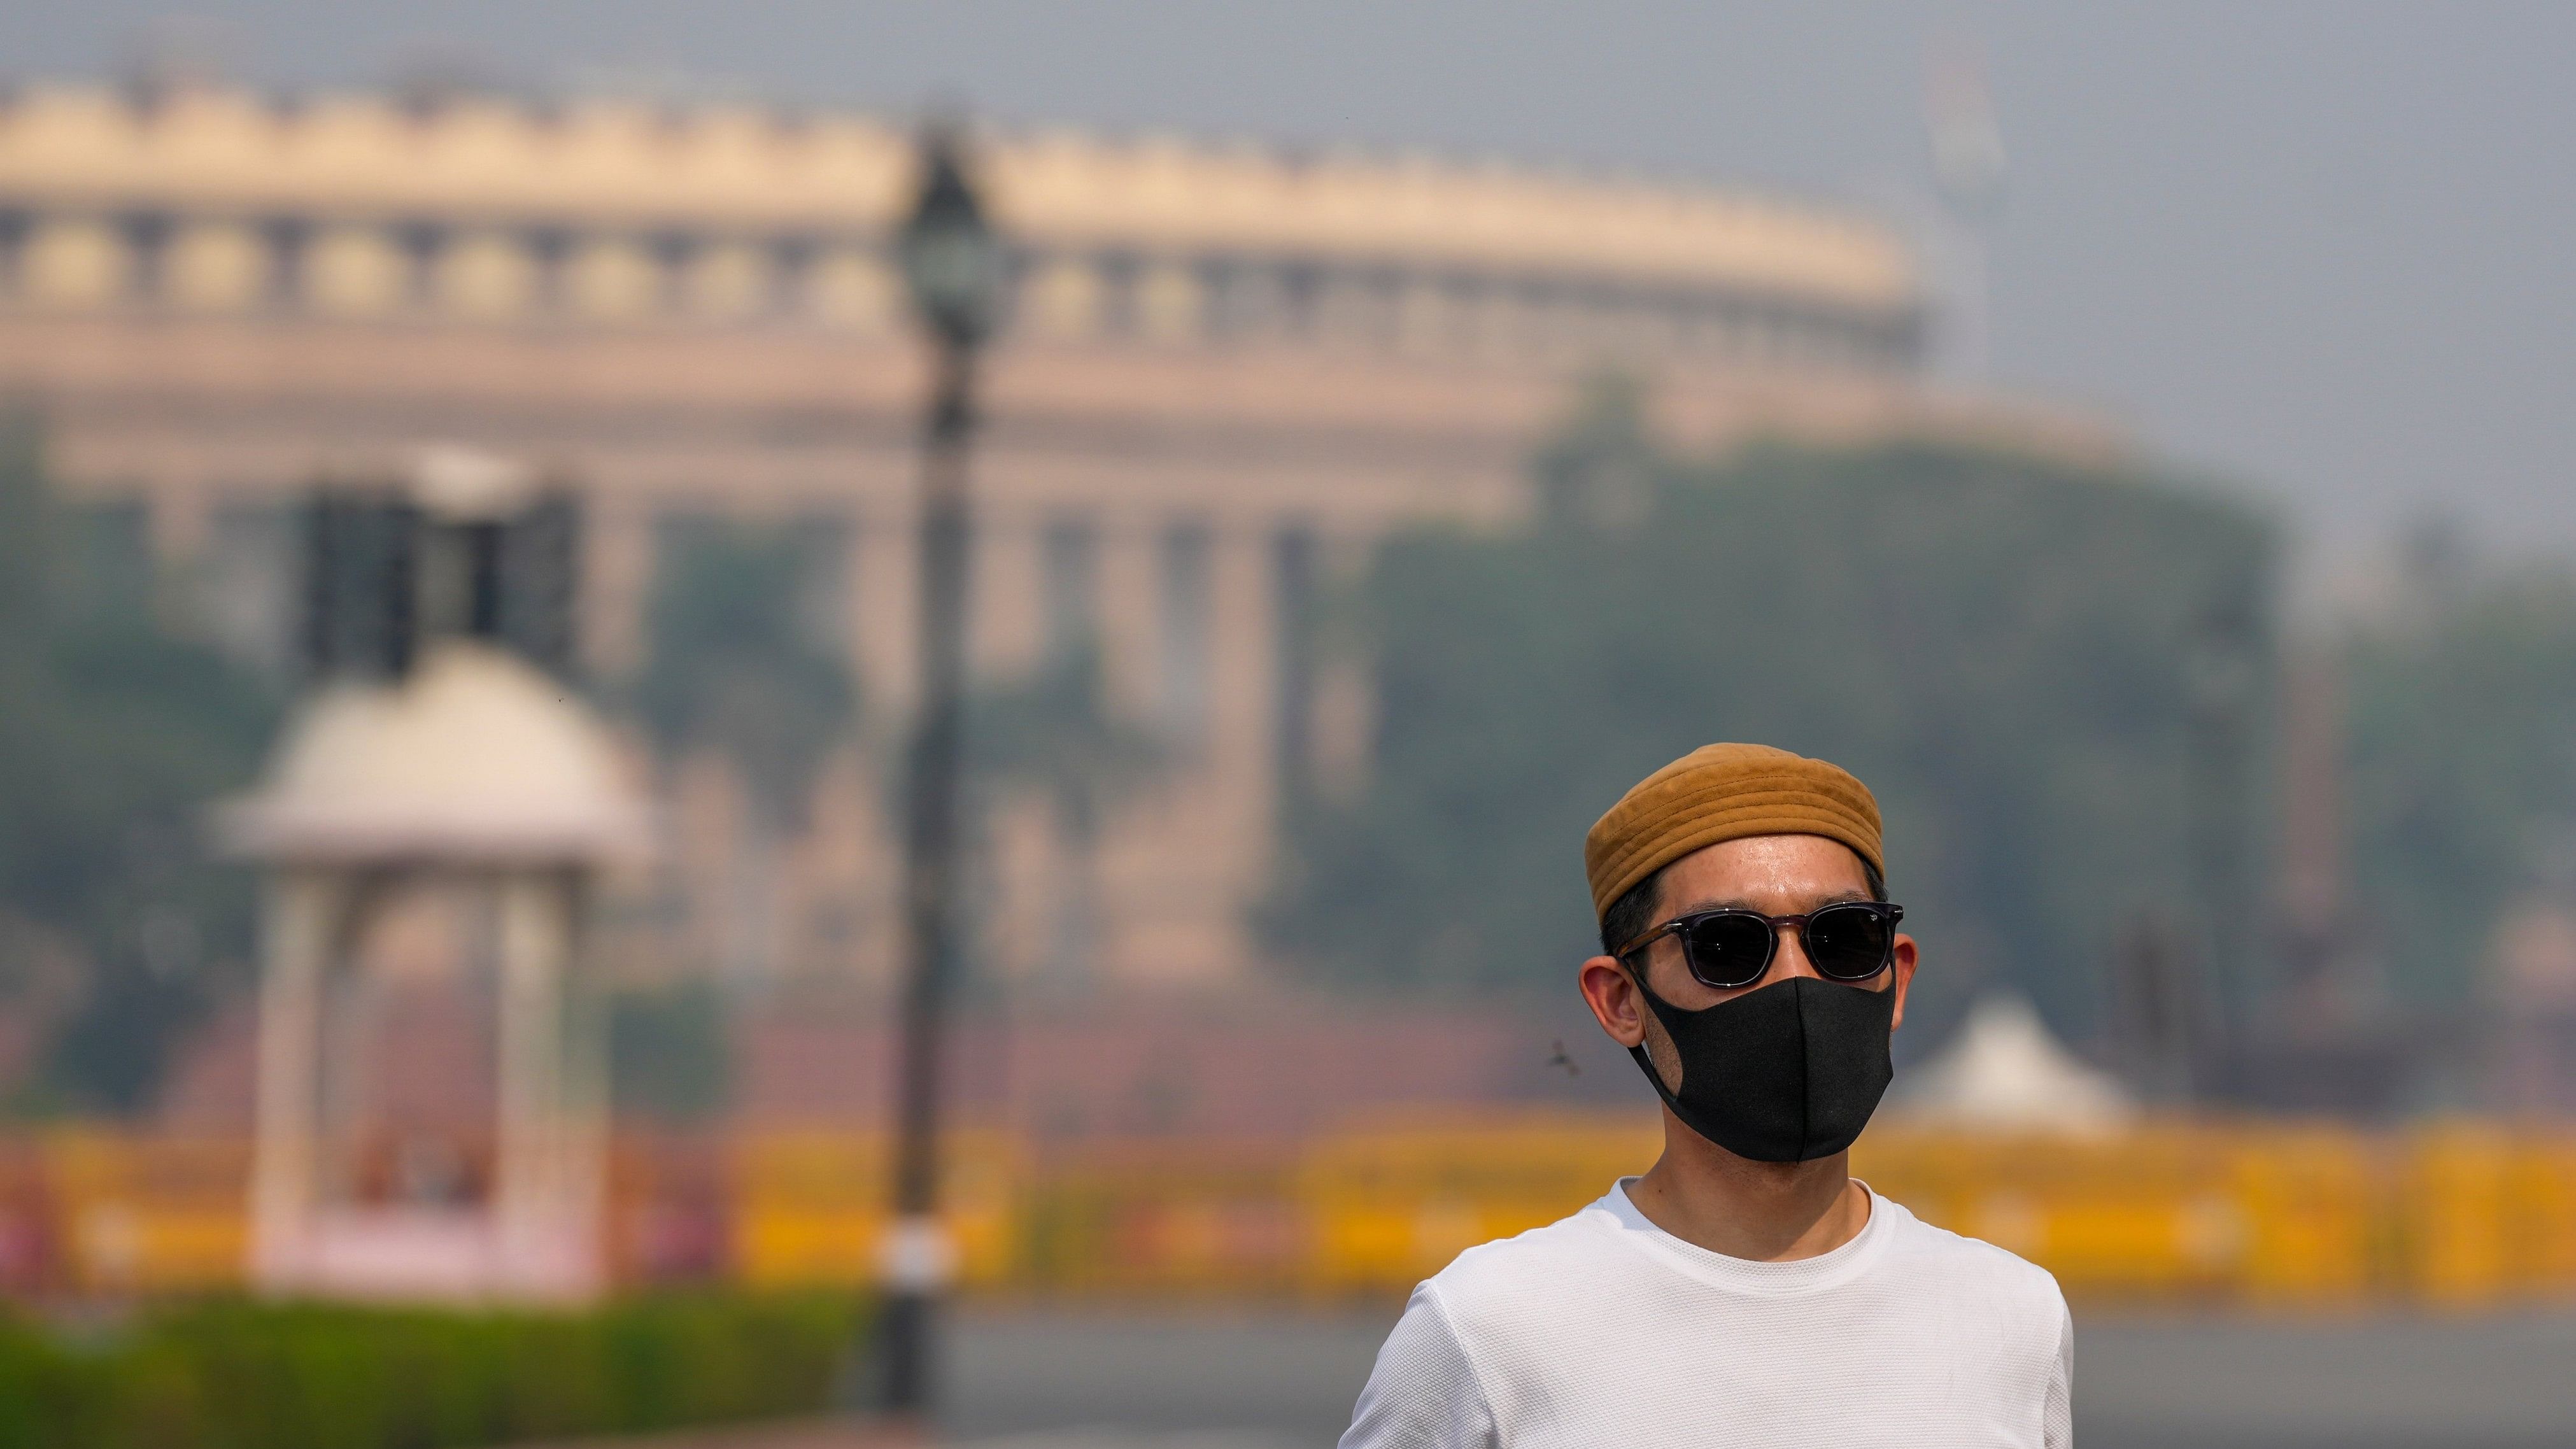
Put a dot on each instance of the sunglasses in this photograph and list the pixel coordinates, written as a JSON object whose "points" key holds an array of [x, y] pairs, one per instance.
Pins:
{"points": [[1730, 948]]}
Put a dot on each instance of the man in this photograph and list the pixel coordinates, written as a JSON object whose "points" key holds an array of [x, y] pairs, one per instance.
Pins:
{"points": [[1746, 1290]]}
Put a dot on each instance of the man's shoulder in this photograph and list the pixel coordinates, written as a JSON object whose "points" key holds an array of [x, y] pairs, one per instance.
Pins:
{"points": [[1917, 1248], [1544, 1261]]}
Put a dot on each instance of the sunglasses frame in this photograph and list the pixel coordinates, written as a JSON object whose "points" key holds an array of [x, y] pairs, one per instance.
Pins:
{"points": [[1888, 911]]}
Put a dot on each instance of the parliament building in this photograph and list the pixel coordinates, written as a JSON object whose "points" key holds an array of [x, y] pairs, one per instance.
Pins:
{"points": [[1227, 370]]}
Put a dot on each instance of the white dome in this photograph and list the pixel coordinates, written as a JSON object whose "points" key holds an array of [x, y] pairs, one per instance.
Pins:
{"points": [[476, 758], [2002, 1071]]}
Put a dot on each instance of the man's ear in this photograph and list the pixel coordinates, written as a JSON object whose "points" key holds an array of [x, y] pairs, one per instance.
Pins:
{"points": [[1614, 1000], [1905, 962]]}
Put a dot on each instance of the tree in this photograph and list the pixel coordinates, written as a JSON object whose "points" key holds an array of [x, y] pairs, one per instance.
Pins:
{"points": [[670, 1058], [2460, 769], [736, 667], [1998, 645], [1600, 469], [115, 733]]}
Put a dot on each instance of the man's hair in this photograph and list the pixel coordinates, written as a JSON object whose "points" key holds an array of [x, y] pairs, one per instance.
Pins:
{"points": [[1633, 914]]}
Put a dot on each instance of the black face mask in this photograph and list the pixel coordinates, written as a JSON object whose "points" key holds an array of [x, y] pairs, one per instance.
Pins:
{"points": [[1787, 1072]]}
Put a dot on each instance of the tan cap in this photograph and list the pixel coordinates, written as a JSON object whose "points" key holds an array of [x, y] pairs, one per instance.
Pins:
{"points": [[1724, 792]]}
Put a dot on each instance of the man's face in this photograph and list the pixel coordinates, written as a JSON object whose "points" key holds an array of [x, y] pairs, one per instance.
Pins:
{"points": [[1778, 875]]}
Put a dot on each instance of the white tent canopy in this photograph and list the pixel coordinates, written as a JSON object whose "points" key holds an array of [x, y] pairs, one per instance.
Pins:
{"points": [[2003, 1072]]}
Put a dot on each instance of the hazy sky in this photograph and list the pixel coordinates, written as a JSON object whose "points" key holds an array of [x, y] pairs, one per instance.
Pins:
{"points": [[2328, 250]]}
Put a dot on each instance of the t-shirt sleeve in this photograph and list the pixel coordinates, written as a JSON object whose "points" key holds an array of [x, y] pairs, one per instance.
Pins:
{"points": [[2058, 1429], [1423, 1394]]}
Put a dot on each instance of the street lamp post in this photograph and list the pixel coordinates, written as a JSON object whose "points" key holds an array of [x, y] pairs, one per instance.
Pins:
{"points": [[953, 266]]}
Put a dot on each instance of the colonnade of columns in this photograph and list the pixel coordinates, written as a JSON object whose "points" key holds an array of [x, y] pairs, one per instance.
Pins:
{"points": [[1192, 619], [359, 269], [1189, 617]]}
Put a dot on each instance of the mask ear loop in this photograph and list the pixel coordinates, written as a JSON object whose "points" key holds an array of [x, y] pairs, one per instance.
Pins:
{"points": [[1655, 1007]]}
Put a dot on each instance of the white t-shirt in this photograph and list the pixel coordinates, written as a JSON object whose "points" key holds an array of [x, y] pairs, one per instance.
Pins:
{"points": [[1603, 1329]]}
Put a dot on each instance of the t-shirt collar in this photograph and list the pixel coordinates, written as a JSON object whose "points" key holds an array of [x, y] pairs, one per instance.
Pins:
{"points": [[1618, 1214]]}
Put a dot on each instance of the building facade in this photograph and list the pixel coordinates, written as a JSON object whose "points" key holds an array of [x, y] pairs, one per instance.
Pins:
{"points": [[1227, 371]]}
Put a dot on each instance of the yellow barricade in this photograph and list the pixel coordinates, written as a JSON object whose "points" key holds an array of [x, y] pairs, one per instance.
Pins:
{"points": [[2540, 1207], [2314, 1225], [812, 1206], [2278, 1215], [2150, 1215], [1185, 1219], [2487, 1217], [2462, 1215], [2450, 1205], [1390, 1206], [147, 1214]]}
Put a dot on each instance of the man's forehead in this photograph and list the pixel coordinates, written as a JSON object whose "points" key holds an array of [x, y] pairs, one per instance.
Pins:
{"points": [[1807, 865]]}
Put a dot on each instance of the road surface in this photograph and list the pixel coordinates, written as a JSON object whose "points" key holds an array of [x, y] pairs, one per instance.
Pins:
{"points": [[1094, 1379], [1209, 1379]]}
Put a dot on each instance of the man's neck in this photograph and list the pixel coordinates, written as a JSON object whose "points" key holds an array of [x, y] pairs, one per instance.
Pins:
{"points": [[1770, 1212]]}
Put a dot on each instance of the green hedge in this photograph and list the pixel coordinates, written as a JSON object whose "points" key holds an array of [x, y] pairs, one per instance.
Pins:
{"points": [[238, 1375]]}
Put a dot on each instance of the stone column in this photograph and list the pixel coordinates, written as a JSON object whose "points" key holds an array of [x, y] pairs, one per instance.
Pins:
{"points": [[1243, 691], [1007, 612], [884, 563], [583, 1086], [543, 1244], [861, 795], [1129, 624], [301, 926], [616, 582], [1342, 724], [1126, 870], [1218, 840], [178, 513]]}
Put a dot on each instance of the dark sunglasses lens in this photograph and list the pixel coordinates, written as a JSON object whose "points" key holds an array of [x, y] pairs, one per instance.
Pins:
{"points": [[1849, 943], [1729, 950]]}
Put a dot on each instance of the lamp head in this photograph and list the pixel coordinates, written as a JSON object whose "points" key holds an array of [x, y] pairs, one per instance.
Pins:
{"points": [[953, 263]]}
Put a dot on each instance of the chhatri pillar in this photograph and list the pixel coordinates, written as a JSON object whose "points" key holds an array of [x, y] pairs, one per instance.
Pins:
{"points": [[441, 746]]}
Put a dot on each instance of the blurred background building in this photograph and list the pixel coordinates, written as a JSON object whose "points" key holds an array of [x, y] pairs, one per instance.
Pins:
{"points": [[1229, 372]]}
